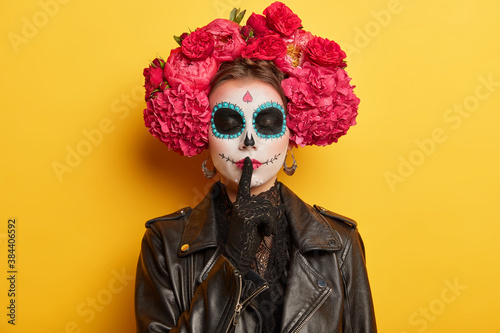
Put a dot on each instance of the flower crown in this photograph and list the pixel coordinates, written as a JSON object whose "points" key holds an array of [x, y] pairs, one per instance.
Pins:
{"points": [[321, 102]]}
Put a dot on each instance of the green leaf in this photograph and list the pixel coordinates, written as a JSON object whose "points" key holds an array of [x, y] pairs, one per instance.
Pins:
{"points": [[240, 16], [233, 14], [178, 40], [162, 62]]}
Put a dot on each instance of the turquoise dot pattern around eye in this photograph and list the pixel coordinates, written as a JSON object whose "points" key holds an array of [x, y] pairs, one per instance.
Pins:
{"points": [[231, 106], [265, 106]]}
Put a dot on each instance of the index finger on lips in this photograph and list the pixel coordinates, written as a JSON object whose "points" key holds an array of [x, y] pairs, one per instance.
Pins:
{"points": [[246, 178]]}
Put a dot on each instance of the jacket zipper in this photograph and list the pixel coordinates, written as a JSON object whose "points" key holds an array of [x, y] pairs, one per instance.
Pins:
{"points": [[248, 300], [312, 312], [238, 307], [241, 305]]}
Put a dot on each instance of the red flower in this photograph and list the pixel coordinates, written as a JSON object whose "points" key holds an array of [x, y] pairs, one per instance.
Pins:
{"points": [[322, 105], [281, 19], [228, 41], [195, 74], [246, 32], [180, 117], [198, 45], [265, 48], [258, 24], [183, 36], [324, 52], [296, 51], [153, 77]]}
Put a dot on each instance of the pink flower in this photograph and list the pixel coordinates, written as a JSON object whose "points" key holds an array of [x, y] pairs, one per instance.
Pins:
{"points": [[228, 41], [322, 105], [265, 48], [259, 25], [296, 51], [324, 52], [198, 45], [281, 19], [154, 78], [179, 117], [195, 74]]}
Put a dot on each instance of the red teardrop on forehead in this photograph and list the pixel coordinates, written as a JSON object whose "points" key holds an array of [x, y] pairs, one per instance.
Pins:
{"points": [[247, 98]]}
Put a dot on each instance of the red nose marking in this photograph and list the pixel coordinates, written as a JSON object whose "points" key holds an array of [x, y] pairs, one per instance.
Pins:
{"points": [[247, 98]]}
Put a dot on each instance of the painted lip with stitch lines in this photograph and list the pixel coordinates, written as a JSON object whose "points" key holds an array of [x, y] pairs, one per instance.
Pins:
{"points": [[256, 164]]}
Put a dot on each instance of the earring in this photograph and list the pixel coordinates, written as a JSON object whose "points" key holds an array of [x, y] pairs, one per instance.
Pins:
{"points": [[208, 173], [290, 170]]}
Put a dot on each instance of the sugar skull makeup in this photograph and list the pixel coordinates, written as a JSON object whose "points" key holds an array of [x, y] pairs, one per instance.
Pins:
{"points": [[268, 120], [248, 119], [228, 121]]}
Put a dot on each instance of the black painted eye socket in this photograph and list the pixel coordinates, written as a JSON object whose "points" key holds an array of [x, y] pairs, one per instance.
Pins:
{"points": [[269, 121], [228, 121]]}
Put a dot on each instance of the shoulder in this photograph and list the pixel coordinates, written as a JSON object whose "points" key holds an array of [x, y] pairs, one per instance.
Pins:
{"points": [[290, 199], [347, 229], [170, 219], [336, 218], [163, 233], [167, 228]]}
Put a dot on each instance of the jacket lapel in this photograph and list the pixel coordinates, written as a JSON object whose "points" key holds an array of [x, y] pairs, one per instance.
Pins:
{"points": [[314, 280], [201, 231], [306, 291]]}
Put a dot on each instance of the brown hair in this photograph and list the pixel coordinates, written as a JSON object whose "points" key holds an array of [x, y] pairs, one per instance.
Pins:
{"points": [[244, 68]]}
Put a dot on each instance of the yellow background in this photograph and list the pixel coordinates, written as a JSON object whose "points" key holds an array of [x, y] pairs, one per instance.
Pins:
{"points": [[420, 178]]}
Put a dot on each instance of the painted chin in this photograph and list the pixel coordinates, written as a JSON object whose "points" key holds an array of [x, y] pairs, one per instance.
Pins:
{"points": [[256, 164], [254, 182]]}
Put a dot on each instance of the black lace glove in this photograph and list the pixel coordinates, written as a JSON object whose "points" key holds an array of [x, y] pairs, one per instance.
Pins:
{"points": [[252, 217]]}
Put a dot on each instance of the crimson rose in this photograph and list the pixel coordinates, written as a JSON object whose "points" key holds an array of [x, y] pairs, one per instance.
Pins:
{"points": [[281, 19], [324, 52], [265, 48], [258, 24], [153, 77], [198, 45]]}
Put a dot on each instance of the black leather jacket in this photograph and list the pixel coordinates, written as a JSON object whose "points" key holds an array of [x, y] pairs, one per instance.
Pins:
{"points": [[184, 284]]}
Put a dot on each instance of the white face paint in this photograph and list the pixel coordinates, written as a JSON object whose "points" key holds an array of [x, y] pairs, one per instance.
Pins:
{"points": [[234, 135]]}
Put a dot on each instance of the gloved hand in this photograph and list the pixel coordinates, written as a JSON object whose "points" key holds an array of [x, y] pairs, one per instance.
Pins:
{"points": [[251, 219]]}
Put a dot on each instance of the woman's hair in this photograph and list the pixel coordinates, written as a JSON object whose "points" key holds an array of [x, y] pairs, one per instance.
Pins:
{"points": [[244, 68]]}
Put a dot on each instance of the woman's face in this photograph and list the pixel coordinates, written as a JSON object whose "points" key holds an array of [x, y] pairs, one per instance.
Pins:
{"points": [[248, 119]]}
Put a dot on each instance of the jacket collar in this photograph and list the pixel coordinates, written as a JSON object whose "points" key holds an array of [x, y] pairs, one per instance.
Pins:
{"points": [[310, 230]]}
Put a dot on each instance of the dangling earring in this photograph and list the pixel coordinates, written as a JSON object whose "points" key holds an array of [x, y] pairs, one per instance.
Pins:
{"points": [[290, 170], [208, 173]]}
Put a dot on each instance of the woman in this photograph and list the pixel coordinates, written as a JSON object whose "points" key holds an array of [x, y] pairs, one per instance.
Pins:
{"points": [[252, 256]]}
